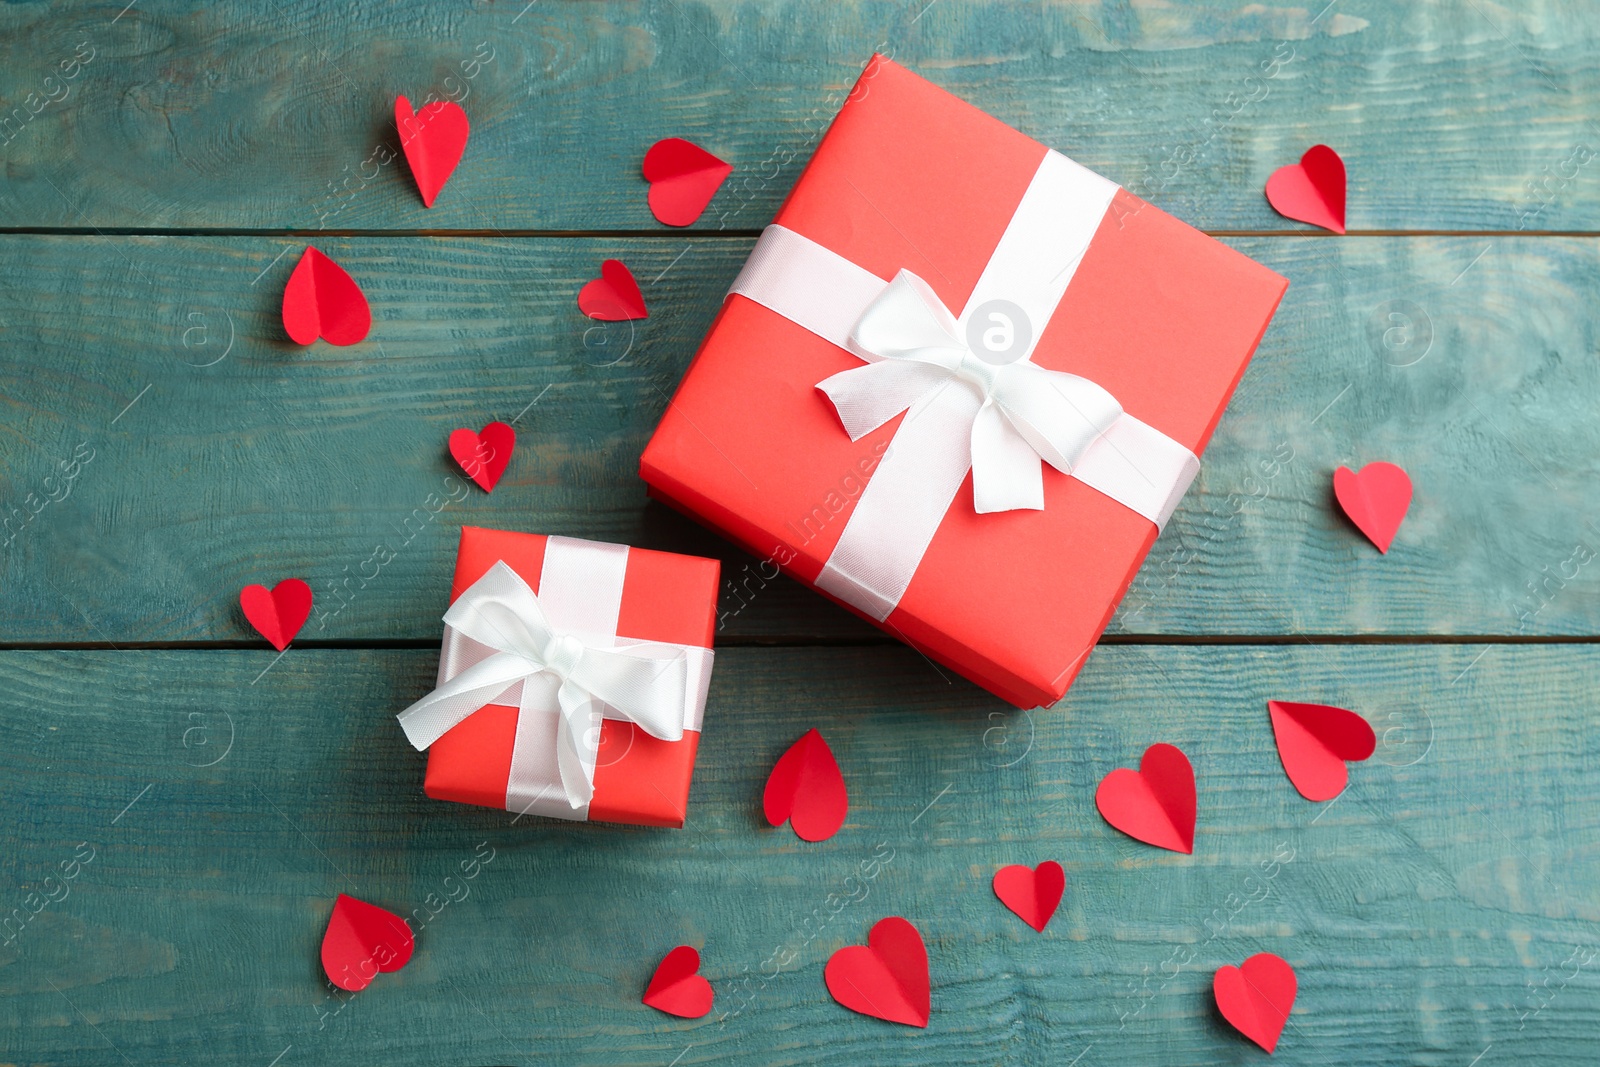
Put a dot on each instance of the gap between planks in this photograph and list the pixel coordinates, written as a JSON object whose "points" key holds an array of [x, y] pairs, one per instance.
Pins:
{"points": [[140, 231], [807, 641]]}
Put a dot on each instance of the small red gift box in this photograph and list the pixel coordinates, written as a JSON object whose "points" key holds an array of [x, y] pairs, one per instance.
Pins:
{"points": [[960, 384], [551, 628]]}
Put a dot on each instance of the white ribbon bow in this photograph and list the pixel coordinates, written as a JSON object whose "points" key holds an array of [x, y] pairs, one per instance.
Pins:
{"points": [[643, 682], [1023, 413]]}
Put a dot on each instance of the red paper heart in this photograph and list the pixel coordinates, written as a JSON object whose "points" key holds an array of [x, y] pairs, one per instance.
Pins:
{"points": [[683, 178], [807, 789], [1032, 892], [277, 615], [1156, 803], [321, 300], [1315, 741], [888, 979], [485, 454], [614, 296], [1257, 997], [676, 988], [363, 939], [1311, 190], [1376, 500], [433, 140]]}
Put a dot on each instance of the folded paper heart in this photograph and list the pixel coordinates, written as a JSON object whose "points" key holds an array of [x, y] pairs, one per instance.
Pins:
{"points": [[806, 789], [321, 300], [361, 940], [279, 613], [614, 296], [1156, 803], [1376, 499], [1315, 741], [1032, 892], [1256, 997], [1312, 190], [677, 988], [433, 140], [485, 454], [886, 979], [683, 178]]}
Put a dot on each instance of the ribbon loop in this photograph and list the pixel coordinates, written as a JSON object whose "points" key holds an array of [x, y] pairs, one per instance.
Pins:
{"points": [[908, 321], [642, 682]]}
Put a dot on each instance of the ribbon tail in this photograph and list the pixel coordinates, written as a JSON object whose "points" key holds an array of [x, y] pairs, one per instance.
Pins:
{"points": [[499, 610], [578, 743], [903, 504], [647, 684], [1007, 474], [868, 396], [437, 713], [639, 684], [1059, 415]]}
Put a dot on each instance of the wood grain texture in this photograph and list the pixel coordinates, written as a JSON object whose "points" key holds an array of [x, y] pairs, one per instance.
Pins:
{"points": [[1460, 114], [274, 460], [175, 822], [1433, 909]]}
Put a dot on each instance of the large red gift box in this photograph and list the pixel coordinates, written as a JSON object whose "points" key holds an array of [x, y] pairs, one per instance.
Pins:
{"points": [[664, 597], [1159, 317]]}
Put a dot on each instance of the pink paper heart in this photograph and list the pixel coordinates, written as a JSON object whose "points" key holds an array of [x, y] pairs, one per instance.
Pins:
{"points": [[683, 178], [677, 988], [362, 940], [886, 979], [1315, 741], [1256, 997], [614, 296], [433, 140], [1033, 893], [322, 300], [1376, 500], [279, 613], [806, 789], [1155, 804], [1312, 190], [485, 454]]}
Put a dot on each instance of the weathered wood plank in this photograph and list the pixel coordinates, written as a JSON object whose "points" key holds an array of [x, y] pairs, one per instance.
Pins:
{"points": [[214, 466], [1452, 114], [1446, 902]]}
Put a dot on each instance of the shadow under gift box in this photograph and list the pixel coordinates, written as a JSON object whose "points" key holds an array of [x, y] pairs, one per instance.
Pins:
{"points": [[910, 177], [638, 779]]}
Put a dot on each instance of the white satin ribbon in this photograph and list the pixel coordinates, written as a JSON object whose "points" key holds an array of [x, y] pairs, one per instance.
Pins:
{"points": [[1024, 413], [963, 412], [505, 644]]}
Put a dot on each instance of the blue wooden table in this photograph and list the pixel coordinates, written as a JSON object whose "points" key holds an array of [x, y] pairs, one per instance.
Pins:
{"points": [[181, 805]]}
